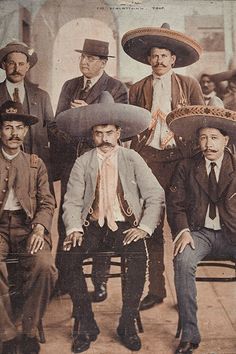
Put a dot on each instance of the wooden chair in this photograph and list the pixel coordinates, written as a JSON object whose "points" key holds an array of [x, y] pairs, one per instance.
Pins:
{"points": [[220, 262], [122, 264], [15, 290]]}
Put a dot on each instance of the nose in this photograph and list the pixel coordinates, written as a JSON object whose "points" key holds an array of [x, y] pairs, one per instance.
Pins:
{"points": [[105, 138]]}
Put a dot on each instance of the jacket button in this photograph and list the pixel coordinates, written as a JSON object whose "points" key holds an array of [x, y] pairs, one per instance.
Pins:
{"points": [[7, 167], [6, 179], [4, 190], [1, 201]]}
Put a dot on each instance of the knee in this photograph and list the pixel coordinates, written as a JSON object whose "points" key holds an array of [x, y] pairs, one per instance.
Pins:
{"points": [[185, 263], [45, 266]]}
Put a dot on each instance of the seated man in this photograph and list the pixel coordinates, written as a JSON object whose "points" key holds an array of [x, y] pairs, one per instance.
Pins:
{"points": [[113, 202], [26, 211], [201, 205]]}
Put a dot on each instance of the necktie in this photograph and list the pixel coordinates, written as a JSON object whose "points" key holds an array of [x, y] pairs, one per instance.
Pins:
{"points": [[83, 93], [213, 193], [16, 97]]}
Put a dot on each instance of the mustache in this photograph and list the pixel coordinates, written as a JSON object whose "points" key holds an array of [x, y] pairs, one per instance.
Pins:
{"points": [[14, 138], [158, 65], [16, 73], [105, 144], [210, 150]]}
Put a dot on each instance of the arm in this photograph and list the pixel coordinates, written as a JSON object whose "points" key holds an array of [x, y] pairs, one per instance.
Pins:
{"points": [[196, 95]]}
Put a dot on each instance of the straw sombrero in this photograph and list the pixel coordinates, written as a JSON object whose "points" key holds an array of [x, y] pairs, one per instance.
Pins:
{"points": [[138, 42], [21, 48], [186, 121], [79, 121]]}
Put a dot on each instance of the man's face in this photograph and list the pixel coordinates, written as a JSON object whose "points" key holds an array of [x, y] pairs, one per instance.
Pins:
{"points": [[161, 60], [212, 143], [16, 66], [91, 66], [12, 134], [207, 85], [106, 137]]}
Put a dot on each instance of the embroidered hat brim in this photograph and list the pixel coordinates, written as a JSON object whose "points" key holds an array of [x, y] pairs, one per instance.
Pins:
{"points": [[79, 121], [11, 110], [21, 48], [186, 121], [138, 42]]}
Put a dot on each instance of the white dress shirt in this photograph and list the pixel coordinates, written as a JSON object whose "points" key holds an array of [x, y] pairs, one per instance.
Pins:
{"points": [[92, 79], [11, 87]]}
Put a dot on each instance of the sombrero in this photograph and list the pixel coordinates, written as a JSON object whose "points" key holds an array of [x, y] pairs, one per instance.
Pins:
{"points": [[186, 121], [95, 47], [11, 110], [138, 42], [21, 48], [79, 121]]}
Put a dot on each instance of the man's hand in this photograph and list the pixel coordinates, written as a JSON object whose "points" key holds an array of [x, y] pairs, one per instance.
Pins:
{"points": [[133, 234], [78, 103], [73, 239], [182, 242], [36, 239]]}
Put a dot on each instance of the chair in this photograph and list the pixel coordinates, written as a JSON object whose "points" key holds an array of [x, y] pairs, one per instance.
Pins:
{"points": [[15, 291], [121, 274], [220, 262]]}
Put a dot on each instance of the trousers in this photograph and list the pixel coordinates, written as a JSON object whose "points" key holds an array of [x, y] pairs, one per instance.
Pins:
{"points": [[102, 238], [207, 242], [38, 274]]}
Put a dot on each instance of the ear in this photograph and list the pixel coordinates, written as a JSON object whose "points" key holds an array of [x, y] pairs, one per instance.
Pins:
{"points": [[226, 140], [4, 65], [27, 66], [149, 59], [118, 133], [173, 60], [26, 130]]}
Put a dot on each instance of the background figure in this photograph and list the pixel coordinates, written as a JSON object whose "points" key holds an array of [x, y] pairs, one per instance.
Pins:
{"points": [[208, 87], [113, 201], [78, 92], [201, 206], [161, 92], [16, 58], [26, 211]]}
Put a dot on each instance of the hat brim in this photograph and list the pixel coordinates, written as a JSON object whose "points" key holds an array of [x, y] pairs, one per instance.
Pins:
{"points": [[33, 58], [25, 118], [79, 121], [93, 53], [187, 121], [137, 44]]}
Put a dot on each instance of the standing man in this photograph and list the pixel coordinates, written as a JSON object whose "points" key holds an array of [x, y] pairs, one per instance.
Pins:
{"points": [[113, 201], [201, 205], [26, 211], [208, 87], [78, 92], [160, 92], [16, 58]]}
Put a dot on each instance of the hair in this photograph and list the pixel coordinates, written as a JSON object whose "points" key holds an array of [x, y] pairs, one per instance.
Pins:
{"points": [[105, 125], [207, 75], [222, 131]]}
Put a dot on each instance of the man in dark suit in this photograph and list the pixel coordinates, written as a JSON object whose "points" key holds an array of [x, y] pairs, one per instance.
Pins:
{"points": [[201, 205], [78, 92], [16, 58], [160, 92]]}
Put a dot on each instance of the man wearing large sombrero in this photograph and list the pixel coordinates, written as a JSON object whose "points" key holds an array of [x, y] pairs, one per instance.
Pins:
{"points": [[103, 209], [77, 92], [26, 211], [160, 92], [201, 205], [17, 58]]}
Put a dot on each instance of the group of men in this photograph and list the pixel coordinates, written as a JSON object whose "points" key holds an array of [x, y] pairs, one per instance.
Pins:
{"points": [[112, 198]]}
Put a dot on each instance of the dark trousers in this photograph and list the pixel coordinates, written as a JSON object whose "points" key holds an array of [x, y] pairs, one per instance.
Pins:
{"points": [[95, 239], [38, 274], [100, 267]]}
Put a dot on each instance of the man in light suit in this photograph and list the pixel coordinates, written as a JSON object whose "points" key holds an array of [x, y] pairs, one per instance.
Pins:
{"points": [[78, 92], [201, 205], [103, 209], [160, 92], [16, 58]]}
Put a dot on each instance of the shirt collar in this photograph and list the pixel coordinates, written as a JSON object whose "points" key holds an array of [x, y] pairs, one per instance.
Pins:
{"points": [[93, 79], [11, 85], [218, 162], [9, 157], [166, 76]]}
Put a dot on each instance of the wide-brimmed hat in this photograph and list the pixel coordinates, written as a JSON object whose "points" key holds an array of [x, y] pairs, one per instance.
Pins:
{"points": [[186, 121], [21, 48], [224, 76], [95, 47], [79, 121], [11, 110], [137, 44]]}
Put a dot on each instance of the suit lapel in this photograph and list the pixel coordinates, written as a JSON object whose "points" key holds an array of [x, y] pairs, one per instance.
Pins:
{"points": [[93, 168], [147, 93], [31, 94], [4, 95], [175, 94], [201, 175], [227, 173], [96, 90]]}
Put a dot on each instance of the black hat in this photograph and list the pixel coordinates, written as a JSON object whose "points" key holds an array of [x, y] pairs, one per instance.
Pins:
{"points": [[21, 48], [95, 47], [11, 110]]}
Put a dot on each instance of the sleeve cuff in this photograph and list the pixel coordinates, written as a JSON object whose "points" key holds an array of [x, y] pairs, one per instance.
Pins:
{"points": [[145, 228], [68, 232]]}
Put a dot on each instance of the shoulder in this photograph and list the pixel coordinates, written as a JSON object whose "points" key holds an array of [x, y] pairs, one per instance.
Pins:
{"points": [[111, 80], [187, 79], [70, 83], [141, 82], [32, 87]]}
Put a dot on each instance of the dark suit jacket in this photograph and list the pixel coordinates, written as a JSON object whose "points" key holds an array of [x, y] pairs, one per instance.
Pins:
{"points": [[65, 151], [40, 106], [187, 198]]}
